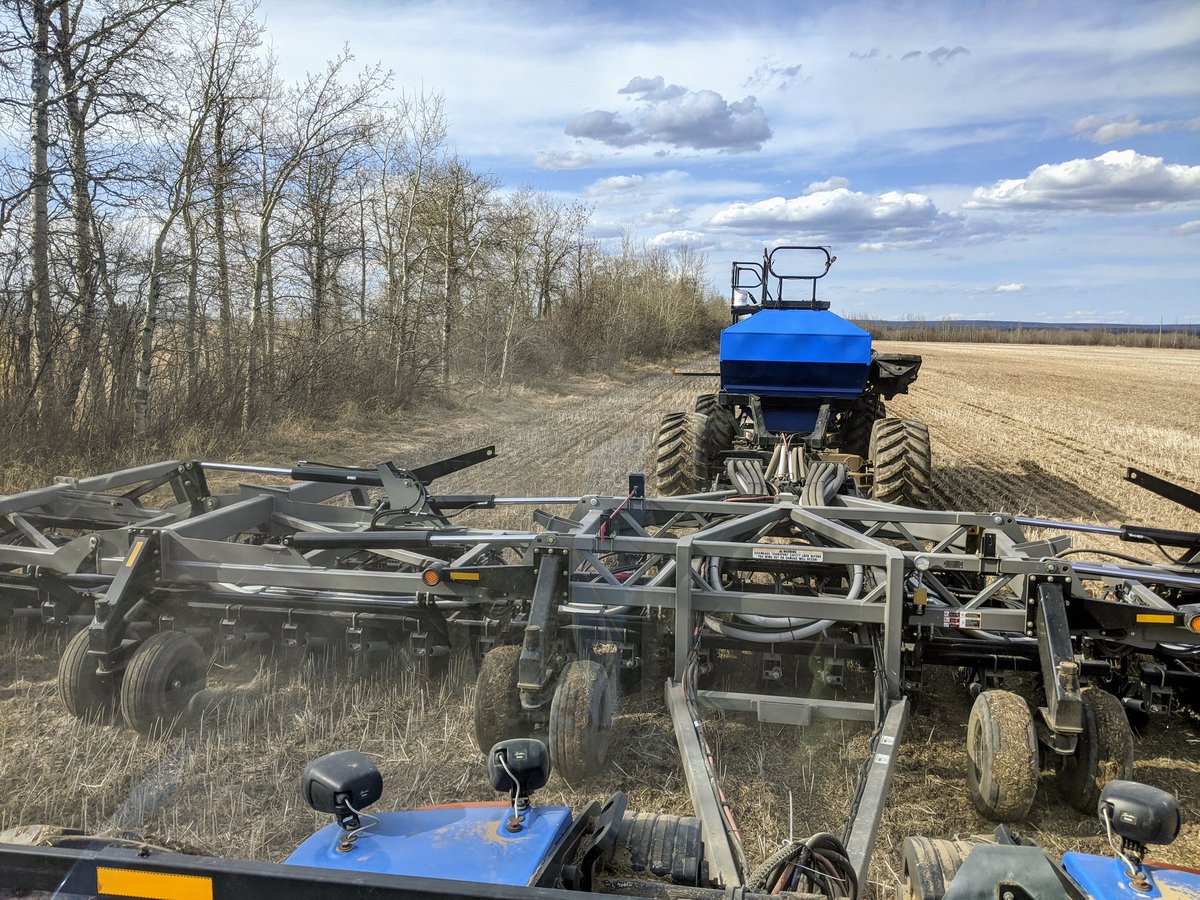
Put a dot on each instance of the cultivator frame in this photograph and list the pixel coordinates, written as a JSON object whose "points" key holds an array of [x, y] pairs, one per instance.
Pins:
{"points": [[315, 565]]}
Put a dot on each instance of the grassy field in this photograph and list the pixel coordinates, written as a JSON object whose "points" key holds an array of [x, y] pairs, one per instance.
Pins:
{"points": [[1025, 429]]}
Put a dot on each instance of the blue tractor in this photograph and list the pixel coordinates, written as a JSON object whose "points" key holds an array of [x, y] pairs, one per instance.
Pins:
{"points": [[801, 403]]}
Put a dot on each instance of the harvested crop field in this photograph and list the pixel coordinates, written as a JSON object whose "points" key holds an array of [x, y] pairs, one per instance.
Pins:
{"points": [[1043, 431]]}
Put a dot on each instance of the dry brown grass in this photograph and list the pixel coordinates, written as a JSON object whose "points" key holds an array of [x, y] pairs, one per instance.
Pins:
{"points": [[1034, 430]]}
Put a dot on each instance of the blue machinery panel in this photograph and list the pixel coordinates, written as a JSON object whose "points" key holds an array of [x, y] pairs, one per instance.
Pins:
{"points": [[463, 842], [1104, 878], [794, 360]]}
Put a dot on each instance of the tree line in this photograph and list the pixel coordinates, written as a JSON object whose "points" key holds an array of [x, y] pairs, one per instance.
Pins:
{"points": [[186, 236]]}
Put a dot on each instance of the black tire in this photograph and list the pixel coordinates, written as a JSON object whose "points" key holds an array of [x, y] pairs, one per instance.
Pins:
{"points": [[498, 713], [162, 677], [706, 403], [855, 425], [681, 465], [581, 720], [901, 462], [929, 867], [1002, 756], [1103, 753], [84, 692]]}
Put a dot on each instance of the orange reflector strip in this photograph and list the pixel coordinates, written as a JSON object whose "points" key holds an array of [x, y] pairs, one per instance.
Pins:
{"points": [[134, 552], [152, 885], [464, 576], [1157, 618]]}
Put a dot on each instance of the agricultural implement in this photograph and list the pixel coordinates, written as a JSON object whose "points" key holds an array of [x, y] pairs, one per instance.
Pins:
{"points": [[838, 608], [801, 405]]}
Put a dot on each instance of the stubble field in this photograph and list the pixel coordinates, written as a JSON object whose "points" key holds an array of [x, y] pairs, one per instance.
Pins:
{"points": [[1042, 431]]}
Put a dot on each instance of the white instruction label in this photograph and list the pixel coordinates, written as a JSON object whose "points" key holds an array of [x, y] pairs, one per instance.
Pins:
{"points": [[958, 618], [789, 554]]}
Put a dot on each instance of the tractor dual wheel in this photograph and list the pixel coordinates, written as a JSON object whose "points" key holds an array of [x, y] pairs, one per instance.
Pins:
{"points": [[902, 462], [687, 447], [581, 720], [162, 677], [84, 691], [498, 712], [855, 425], [1103, 753], [1002, 756]]}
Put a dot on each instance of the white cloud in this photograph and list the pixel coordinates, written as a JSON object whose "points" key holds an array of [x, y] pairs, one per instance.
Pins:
{"points": [[1118, 179], [828, 184], [1102, 130], [891, 220], [1012, 288], [681, 118], [617, 184], [1192, 227], [695, 239], [564, 159]]}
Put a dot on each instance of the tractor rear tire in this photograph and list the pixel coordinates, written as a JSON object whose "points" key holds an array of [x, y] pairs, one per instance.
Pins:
{"points": [[902, 463], [682, 465], [930, 865], [1103, 753], [498, 713], [85, 693], [163, 675], [1002, 756], [581, 720]]}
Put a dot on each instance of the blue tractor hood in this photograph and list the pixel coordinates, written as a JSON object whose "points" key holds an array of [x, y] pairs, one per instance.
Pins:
{"points": [[795, 353], [466, 842]]}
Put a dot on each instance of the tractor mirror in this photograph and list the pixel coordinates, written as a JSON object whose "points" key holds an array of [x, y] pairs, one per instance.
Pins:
{"points": [[341, 783], [1140, 813], [521, 765]]}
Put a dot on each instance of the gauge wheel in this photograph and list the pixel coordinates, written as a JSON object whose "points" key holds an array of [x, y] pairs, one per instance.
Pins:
{"points": [[1103, 753], [581, 720], [84, 691], [498, 712], [162, 677], [1002, 756]]}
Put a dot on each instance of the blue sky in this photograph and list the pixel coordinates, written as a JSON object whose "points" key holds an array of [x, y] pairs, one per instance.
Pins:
{"points": [[1031, 161]]}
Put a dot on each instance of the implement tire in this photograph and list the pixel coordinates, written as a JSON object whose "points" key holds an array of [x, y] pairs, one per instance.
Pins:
{"points": [[498, 712], [163, 675], [901, 462], [1103, 753], [1002, 756], [581, 720], [85, 693]]}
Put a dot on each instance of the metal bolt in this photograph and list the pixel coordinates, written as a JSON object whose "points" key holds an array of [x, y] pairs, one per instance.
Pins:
{"points": [[1049, 567], [999, 520], [1008, 895], [552, 540]]}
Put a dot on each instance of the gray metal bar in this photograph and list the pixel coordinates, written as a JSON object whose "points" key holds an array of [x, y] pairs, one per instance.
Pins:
{"points": [[1032, 522], [820, 607], [718, 848], [683, 604], [786, 710], [864, 827], [30, 532], [251, 470]]}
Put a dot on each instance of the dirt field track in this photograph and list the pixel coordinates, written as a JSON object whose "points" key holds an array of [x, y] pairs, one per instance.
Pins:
{"points": [[1034, 430]]}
